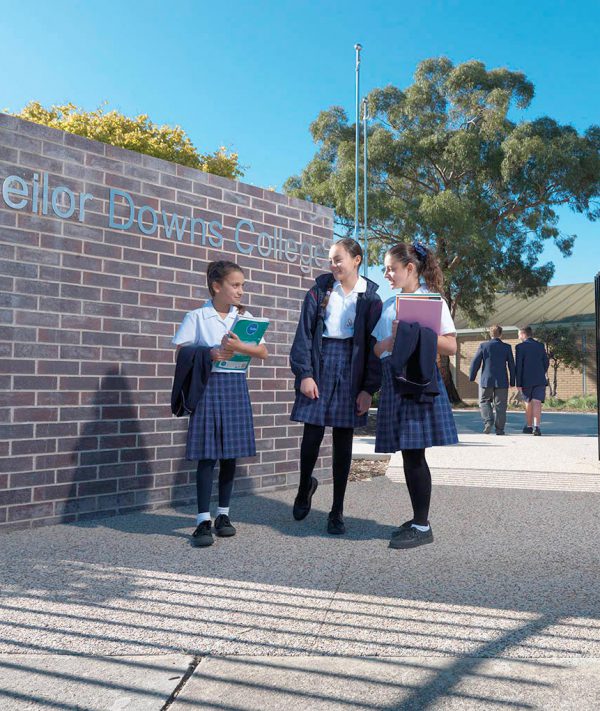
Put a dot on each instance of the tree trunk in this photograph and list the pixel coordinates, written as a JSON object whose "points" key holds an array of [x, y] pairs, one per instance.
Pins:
{"points": [[554, 387], [453, 395]]}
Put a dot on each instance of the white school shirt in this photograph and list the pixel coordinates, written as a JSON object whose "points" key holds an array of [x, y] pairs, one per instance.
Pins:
{"points": [[341, 310], [383, 329], [205, 327]]}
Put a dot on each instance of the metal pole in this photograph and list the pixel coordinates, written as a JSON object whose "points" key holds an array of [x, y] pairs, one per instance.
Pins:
{"points": [[365, 189], [597, 284], [357, 47]]}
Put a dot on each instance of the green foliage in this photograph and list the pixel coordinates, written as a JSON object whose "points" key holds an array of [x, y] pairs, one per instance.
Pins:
{"points": [[136, 134], [563, 346], [583, 403], [448, 166]]}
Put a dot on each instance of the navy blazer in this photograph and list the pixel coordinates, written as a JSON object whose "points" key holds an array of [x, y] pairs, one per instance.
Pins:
{"points": [[305, 355], [495, 356], [413, 362], [192, 372], [532, 363]]}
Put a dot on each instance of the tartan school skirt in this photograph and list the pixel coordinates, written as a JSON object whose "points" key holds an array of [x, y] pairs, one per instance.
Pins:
{"points": [[335, 406], [221, 426], [404, 424]]}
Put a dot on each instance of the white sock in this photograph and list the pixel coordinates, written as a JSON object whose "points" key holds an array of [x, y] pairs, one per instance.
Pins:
{"points": [[420, 528], [202, 517], [223, 510]]}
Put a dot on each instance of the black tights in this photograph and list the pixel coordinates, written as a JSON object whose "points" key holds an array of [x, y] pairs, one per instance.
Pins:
{"points": [[204, 481], [342, 459], [418, 481]]}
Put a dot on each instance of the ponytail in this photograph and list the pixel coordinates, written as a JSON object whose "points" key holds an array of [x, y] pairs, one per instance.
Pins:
{"points": [[424, 261]]}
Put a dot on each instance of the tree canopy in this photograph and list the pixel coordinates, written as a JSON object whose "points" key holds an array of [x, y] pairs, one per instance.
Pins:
{"points": [[450, 167], [564, 348], [136, 134]]}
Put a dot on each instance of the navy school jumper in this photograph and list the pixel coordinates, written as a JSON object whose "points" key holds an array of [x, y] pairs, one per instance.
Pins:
{"points": [[305, 356]]}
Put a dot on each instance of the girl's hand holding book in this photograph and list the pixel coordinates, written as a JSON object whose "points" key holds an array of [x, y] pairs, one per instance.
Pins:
{"points": [[217, 354], [230, 344]]}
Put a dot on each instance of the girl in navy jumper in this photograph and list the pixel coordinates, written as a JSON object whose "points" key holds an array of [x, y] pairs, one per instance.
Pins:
{"points": [[336, 371], [402, 423], [221, 426]]}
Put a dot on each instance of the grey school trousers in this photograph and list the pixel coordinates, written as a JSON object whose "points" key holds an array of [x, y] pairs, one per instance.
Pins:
{"points": [[493, 399]]}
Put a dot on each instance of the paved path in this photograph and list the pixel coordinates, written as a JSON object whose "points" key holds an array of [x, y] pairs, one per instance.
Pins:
{"points": [[503, 611]]}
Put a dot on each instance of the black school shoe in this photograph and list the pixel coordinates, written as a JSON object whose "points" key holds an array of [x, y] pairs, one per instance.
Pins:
{"points": [[527, 430], [302, 508], [223, 526], [537, 432], [202, 536], [403, 526], [335, 524], [411, 538]]}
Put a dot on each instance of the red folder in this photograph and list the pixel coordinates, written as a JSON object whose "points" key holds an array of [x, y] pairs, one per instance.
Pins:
{"points": [[426, 312]]}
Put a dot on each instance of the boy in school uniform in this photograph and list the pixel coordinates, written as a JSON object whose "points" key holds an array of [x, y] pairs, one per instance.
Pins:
{"points": [[532, 378], [493, 357]]}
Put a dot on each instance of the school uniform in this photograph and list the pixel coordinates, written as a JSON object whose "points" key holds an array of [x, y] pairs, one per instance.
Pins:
{"points": [[334, 347], [532, 369], [221, 426], [404, 422]]}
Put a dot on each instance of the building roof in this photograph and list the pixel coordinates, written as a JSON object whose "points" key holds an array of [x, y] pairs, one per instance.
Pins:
{"points": [[567, 304]]}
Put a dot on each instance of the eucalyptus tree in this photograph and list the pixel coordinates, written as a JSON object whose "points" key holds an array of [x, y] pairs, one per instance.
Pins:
{"points": [[451, 165]]}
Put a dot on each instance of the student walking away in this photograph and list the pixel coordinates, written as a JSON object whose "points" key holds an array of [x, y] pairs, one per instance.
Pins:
{"points": [[220, 427], [336, 371], [532, 378], [493, 357], [413, 413]]}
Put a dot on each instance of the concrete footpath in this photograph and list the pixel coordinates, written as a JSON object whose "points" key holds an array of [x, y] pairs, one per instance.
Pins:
{"points": [[503, 610]]}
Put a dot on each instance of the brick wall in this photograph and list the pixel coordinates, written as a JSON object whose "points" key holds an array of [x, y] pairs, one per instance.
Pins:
{"points": [[87, 312], [570, 383]]}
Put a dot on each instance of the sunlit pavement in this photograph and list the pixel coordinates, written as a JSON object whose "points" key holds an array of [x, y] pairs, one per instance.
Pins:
{"points": [[503, 610]]}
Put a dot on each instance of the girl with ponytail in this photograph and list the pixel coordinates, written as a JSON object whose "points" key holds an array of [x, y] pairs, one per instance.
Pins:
{"points": [[404, 423]]}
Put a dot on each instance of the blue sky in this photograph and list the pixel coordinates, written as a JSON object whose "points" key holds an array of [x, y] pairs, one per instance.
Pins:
{"points": [[253, 75]]}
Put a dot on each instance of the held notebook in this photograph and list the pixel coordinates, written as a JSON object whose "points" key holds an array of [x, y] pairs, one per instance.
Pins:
{"points": [[424, 309], [249, 330]]}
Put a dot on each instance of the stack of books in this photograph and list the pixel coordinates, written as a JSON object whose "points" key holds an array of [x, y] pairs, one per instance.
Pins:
{"points": [[424, 309]]}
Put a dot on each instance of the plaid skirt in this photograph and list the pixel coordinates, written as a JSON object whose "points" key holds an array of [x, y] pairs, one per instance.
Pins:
{"points": [[221, 426], [404, 424], [335, 406]]}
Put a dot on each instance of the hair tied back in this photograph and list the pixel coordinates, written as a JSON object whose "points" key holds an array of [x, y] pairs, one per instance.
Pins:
{"points": [[421, 250]]}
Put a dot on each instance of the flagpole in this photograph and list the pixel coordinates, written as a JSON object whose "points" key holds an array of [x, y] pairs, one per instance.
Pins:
{"points": [[357, 47], [365, 189]]}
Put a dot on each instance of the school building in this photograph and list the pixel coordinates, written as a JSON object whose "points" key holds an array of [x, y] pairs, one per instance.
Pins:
{"points": [[569, 305], [102, 252]]}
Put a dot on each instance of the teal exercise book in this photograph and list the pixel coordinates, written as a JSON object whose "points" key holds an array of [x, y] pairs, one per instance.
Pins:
{"points": [[249, 330]]}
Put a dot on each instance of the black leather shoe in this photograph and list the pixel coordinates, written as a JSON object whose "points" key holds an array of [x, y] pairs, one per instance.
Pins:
{"points": [[202, 536], [223, 526], [537, 432], [397, 531], [411, 538], [335, 524], [527, 430], [499, 432], [302, 508]]}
